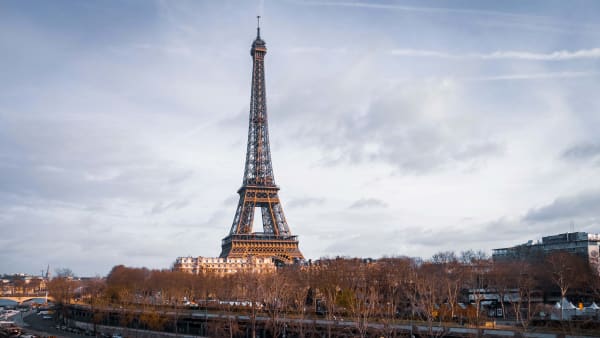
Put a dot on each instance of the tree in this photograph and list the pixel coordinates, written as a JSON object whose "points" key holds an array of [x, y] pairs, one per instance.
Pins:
{"points": [[276, 300], [394, 285], [525, 282], [502, 281], [477, 266], [328, 276], [94, 294], [566, 270], [299, 289], [64, 273], [153, 320], [250, 288], [452, 279], [428, 294], [363, 298], [62, 290]]}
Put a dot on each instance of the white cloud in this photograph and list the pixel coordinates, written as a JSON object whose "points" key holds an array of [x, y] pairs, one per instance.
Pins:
{"points": [[560, 55], [424, 9], [368, 203], [535, 76], [571, 207]]}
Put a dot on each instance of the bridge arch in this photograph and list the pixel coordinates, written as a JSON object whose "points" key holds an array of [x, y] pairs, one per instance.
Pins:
{"points": [[22, 299]]}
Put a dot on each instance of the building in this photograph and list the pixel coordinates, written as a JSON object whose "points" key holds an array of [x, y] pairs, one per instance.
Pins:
{"points": [[581, 244], [22, 284], [223, 266]]}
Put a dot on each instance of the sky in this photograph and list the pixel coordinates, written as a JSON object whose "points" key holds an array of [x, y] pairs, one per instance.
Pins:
{"points": [[397, 128]]}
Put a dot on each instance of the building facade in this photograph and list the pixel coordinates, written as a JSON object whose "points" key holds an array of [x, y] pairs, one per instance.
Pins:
{"points": [[22, 284], [223, 266], [581, 244]]}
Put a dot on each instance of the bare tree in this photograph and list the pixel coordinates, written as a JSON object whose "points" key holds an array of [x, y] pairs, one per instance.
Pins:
{"points": [[299, 287], [328, 277], [477, 266], [526, 283], [251, 287], [94, 295], [428, 295], [452, 279], [276, 299], [62, 290], [395, 282], [566, 271]]}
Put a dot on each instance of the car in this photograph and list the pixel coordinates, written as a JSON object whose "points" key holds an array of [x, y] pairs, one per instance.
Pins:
{"points": [[46, 317]]}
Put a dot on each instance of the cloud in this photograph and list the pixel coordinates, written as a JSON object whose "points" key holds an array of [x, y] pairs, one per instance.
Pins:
{"points": [[318, 50], [305, 202], [161, 207], [533, 76], [383, 6], [415, 127], [231, 201], [482, 149], [585, 204], [361, 245], [424, 241], [560, 55], [582, 151], [368, 203]]}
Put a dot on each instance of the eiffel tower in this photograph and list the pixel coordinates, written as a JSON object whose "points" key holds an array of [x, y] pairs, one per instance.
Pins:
{"points": [[258, 188]]}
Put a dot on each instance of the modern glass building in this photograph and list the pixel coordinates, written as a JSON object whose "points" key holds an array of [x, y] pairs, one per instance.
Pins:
{"points": [[581, 244]]}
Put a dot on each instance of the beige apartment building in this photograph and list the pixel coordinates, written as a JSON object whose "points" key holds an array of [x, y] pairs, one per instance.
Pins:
{"points": [[222, 266]]}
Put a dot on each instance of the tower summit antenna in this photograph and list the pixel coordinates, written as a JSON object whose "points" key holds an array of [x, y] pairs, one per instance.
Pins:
{"points": [[258, 26]]}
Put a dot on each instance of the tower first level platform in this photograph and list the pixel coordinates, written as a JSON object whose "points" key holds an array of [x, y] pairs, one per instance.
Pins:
{"points": [[280, 248]]}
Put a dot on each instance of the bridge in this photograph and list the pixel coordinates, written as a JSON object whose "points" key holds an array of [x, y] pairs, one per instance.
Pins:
{"points": [[22, 299]]}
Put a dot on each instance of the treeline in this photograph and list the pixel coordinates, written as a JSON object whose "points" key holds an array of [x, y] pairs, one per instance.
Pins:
{"points": [[447, 287]]}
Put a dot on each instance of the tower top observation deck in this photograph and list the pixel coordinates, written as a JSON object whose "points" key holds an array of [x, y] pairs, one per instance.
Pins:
{"points": [[258, 44]]}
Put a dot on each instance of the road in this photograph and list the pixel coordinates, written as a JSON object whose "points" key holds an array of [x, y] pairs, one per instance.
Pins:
{"points": [[34, 324]]}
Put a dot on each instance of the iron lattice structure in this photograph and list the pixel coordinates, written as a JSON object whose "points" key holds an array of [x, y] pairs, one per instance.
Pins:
{"points": [[259, 189]]}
